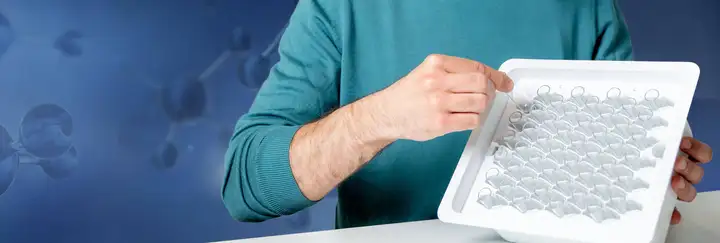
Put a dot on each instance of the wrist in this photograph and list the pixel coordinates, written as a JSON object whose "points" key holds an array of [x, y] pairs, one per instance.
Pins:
{"points": [[367, 123]]}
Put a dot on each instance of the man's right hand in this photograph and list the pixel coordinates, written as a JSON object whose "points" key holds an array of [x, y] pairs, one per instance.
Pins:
{"points": [[443, 94]]}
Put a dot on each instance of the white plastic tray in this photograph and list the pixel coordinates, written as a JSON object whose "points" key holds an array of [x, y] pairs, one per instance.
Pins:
{"points": [[580, 151]]}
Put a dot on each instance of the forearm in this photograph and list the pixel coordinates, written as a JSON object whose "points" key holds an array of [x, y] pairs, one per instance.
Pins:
{"points": [[326, 152]]}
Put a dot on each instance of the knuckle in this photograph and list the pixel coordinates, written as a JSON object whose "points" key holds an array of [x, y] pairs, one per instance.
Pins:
{"points": [[434, 60], [481, 77], [436, 100], [480, 67], [467, 101], [688, 165], [430, 82], [480, 81], [476, 101]]}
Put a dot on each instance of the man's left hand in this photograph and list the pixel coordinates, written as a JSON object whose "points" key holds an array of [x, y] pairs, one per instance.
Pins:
{"points": [[688, 171]]}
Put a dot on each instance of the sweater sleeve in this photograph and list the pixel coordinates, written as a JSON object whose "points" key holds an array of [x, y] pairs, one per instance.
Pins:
{"points": [[613, 40], [300, 88]]}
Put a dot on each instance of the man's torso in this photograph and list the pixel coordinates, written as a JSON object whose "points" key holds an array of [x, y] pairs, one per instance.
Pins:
{"points": [[383, 40]]}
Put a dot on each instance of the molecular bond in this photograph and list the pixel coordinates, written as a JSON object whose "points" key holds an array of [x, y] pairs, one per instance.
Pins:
{"points": [[185, 101], [67, 43], [44, 140]]}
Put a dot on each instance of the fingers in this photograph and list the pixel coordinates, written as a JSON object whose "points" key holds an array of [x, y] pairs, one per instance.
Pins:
{"points": [[452, 64], [697, 150], [463, 92], [501, 81], [692, 172], [466, 102], [461, 121], [688, 171], [676, 218], [685, 191], [466, 83]]}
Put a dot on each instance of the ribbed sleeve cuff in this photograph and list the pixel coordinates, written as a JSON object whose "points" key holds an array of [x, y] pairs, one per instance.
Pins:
{"points": [[275, 180]]}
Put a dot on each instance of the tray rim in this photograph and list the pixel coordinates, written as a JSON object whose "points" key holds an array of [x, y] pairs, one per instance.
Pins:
{"points": [[689, 70]]}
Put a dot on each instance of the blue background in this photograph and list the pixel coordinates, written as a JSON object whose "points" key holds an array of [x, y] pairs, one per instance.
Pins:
{"points": [[105, 63]]}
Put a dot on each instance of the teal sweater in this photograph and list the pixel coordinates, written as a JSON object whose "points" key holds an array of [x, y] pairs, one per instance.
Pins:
{"points": [[337, 51]]}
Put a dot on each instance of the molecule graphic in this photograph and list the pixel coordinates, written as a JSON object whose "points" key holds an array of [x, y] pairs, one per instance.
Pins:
{"points": [[8, 160], [185, 101], [68, 43], [44, 140], [7, 36], [257, 67]]}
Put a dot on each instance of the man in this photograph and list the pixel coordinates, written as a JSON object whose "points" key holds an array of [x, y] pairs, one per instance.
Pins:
{"points": [[377, 97]]}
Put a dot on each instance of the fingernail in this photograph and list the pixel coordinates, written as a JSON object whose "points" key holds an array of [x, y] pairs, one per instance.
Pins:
{"points": [[682, 163], [685, 144], [681, 184]]}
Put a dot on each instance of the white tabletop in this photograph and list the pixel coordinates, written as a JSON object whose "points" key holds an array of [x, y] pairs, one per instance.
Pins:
{"points": [[701, 224]]}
